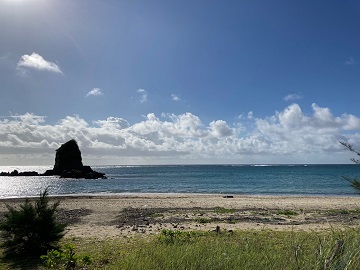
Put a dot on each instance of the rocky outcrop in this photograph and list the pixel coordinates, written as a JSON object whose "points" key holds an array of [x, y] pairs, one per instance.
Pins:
{"points": [[17, 173], [68, 158], [68, 163]]}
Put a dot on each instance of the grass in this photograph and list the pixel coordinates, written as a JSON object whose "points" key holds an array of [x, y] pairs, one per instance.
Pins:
{"points": [[287, 213], [203, 220], [265, 249], [342, 211], [232, 221], [222, 210], [261, 213], [155, 215]]}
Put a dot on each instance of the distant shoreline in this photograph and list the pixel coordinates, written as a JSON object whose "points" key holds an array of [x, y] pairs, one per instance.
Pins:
{"points": [[147, 194]]}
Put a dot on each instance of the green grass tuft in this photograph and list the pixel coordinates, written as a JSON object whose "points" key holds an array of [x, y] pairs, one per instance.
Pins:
{"points": [[287, 213], [203, 220], [222, 210]]}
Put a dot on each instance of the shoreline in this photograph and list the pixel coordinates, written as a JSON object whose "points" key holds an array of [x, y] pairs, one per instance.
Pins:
{"points": [[179, 194], [127, 215]]}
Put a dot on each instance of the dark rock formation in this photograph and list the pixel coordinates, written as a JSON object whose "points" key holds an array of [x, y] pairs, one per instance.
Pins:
{"points": [[68, 157], [16, 173], [68, 163], [29, 173]]}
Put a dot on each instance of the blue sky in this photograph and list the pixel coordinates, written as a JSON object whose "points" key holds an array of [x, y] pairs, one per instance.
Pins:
{"points": [[164, 82]]}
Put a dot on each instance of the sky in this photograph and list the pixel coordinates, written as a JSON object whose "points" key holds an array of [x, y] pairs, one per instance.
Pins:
{"points": [[179, 82]]}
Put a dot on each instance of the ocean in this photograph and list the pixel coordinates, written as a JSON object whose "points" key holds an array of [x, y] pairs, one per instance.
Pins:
{"points": [[289, 180]]}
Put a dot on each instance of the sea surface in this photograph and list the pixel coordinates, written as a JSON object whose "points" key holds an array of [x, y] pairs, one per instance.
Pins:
{"points": [[289, 180]]}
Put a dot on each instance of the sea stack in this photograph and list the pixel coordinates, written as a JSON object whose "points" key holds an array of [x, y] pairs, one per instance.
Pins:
{"points": [[68, 163], [68, 158]]}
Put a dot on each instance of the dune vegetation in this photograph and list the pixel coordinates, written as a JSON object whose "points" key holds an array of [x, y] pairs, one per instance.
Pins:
{"points": [[244, 249]]}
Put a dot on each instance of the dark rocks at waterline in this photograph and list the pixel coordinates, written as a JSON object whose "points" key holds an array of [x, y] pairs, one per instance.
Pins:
{"points": [[16, 173], [68, 164], [86, 173]]}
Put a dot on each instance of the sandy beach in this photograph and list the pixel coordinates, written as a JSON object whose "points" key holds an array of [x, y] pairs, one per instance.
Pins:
{"points": [[128, 215]]}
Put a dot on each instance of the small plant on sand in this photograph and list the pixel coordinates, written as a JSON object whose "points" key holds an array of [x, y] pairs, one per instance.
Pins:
{"points": [[287, 213], [232, 221], [203, 220], [334, 212], [31, 229], [222, 210]]}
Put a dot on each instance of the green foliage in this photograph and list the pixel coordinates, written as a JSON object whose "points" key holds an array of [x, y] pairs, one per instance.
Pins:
{"points": [[352, 149], [261, 213], [65, 258], [171, 236], [203, 220], [232, 221], [31, 229], [222, 210], [334, 212], [354, 182], [287, 212], [248, 249]]}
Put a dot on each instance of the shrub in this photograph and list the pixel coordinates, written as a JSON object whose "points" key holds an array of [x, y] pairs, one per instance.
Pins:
{"points": [[287, 212], [222, 210], [31, 229], [354, 182], [203, 220], [65, 258]]}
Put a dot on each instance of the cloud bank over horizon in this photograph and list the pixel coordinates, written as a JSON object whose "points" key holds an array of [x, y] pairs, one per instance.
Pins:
{"points": [[288, 136]]}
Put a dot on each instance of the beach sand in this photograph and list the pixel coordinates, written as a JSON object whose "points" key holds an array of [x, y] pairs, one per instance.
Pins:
{"points": [[128, 215]]}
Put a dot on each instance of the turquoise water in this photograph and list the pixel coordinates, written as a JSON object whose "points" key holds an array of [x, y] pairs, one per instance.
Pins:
{"points": [[305, 180]]}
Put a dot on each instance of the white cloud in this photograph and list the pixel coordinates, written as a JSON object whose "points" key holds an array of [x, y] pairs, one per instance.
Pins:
{"points": [[220, 128], [350, 61], [292, 97], [351, 122], [95, 92], [175, 97], [143, 95], [29, 118], [288, 136], [113, 123], [36, 61]]}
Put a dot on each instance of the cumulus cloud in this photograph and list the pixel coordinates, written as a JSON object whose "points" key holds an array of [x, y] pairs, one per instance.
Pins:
{"points": [[143, 95], [292, 97], [29, 118], [175, 97], [95, 92], [113, 123], [36, 61], [287, 136], [220, 129]]}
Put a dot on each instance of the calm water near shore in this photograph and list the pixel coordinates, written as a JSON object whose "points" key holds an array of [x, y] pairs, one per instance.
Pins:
{"points": [[293, 180]]}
